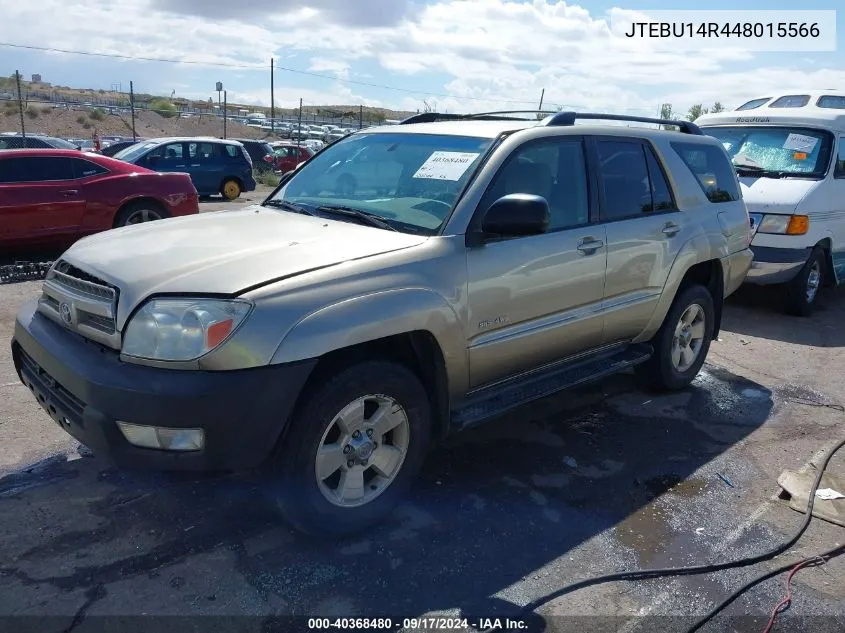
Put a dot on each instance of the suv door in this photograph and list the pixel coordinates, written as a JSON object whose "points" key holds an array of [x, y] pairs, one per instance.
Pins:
{"points": [[40, 199], [169, 157], [536, 300], [645, 232]]}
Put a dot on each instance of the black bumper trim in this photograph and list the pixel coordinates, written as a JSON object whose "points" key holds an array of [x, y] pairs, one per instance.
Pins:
{"points": [[85, 388], [773, 255]]}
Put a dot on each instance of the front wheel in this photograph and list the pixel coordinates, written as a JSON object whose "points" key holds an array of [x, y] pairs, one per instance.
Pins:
{"points": [[802, 292], [355, 445], [682, 342]]}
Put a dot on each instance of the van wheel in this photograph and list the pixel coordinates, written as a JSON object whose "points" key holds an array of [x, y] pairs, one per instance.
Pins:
{"points": [[231, 190], [802, 292], [355, 445], [681, 344]]}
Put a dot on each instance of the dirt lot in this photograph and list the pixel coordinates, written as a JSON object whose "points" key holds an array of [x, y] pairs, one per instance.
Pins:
{"points": [[599, 480]]}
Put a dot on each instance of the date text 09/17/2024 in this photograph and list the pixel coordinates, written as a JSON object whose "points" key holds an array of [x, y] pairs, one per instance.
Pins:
{"points": [[417, 624]]}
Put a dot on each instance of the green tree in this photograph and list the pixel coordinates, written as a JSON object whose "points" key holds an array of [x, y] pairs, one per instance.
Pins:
{"points": [[164, 107], [717, 107], [696, 111], [666, 111]]}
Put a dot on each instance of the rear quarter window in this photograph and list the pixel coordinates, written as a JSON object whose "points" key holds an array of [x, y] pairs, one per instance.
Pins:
{"points": [[712, 170], [232, 151]]}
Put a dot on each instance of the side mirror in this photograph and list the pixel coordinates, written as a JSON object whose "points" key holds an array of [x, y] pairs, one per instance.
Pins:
{"points": [[516, 215]]}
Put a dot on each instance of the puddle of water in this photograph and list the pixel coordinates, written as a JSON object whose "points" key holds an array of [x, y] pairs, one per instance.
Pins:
{"points": [[754, 393]]}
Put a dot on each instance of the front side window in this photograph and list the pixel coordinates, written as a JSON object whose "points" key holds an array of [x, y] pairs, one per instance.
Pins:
{"points": [[711, 169], [839, 172], [409, 180], [36, 169], [553, 169], [776, 151]]}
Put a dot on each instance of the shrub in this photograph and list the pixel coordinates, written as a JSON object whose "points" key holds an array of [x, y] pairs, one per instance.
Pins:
{"points": [[86, 125], [46, 109], [97, 115], [163, 107], [267, 178], [81, 120], [31, 112]]}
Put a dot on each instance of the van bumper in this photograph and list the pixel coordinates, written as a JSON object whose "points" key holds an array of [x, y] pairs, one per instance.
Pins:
{"points": [[776, 265], [86, 389]]}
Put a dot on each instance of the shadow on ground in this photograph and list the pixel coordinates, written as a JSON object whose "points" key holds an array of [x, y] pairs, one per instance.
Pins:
{"points": [[758, 311], [494, 506]]}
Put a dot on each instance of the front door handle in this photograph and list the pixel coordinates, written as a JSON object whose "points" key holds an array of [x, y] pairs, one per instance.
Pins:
{"points": [[69, 192], [589, 245], [670, 229]]}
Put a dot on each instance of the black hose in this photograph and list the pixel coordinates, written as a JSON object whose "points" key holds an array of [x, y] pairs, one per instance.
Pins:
{"points": [[668, 572]]}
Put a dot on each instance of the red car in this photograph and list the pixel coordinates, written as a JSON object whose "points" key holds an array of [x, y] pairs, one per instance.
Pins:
{"points": [[54, 197], [288, 155]]}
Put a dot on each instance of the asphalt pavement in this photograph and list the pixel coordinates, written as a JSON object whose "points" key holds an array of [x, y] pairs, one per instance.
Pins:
{"points": [[598, 480]]}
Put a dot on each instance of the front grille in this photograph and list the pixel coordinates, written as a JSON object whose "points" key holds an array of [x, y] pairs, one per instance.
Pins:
{"points": [[81, 302]]}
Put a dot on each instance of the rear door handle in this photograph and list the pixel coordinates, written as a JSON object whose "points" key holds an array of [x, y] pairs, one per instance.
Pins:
{"points": [[589, 245], [69, 192], [671, 229]]}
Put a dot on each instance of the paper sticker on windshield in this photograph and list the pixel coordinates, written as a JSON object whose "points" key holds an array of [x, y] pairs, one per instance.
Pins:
{"points": [[446, 165], [800, 143]]}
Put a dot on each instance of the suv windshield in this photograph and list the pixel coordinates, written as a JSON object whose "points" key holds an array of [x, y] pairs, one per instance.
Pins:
{"points": [[409, 180], [776, 151]]}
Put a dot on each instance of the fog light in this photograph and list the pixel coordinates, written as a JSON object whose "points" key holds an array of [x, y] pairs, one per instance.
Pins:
{"points": [[162, 438]]}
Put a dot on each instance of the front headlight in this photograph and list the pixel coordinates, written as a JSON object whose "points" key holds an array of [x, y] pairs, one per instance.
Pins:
{"points": [[784, 224], [182, 329]]}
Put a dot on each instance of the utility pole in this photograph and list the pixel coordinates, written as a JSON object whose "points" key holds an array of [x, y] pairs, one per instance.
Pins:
{"points": [[272, 100], [542, 94], [20, 106], [360, 116], [132, 108], [225, 105], [299, 126]]}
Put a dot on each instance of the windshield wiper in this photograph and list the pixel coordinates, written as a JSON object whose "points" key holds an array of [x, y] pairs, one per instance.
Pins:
{"points": [[287, 205], [370, 218]]}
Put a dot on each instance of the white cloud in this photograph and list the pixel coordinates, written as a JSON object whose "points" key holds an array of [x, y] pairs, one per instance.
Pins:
{"points": [[485, 54]]}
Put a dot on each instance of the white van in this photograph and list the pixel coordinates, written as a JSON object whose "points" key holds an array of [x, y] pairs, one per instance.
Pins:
{"points": [[789, 153]]}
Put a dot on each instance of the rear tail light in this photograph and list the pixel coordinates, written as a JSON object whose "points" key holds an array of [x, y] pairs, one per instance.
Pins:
{"points": [[268, 158]]}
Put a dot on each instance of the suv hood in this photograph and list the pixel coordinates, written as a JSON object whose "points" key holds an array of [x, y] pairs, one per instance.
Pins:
{"points": [[224, 252], [775, 195]]}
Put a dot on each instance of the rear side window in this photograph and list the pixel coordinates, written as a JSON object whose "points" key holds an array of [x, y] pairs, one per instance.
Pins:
{"points": [[632, 181], [790, 101], [85, 168], [754, 103], [36, 169], [201, 152], [831, 101], [712, 170]]}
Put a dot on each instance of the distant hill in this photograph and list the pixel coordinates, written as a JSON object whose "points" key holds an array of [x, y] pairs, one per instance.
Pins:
{"points": [[47, 112]]}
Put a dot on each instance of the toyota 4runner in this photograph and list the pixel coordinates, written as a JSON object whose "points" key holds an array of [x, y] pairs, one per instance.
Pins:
{"points": [[404, 283]]}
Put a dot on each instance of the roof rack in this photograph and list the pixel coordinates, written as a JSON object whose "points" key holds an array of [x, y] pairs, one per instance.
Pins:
{"points": [[569, 118], [499, 115]]}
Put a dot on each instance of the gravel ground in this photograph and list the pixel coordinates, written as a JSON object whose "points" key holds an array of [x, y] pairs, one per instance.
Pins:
{"points": [[593, 481]]}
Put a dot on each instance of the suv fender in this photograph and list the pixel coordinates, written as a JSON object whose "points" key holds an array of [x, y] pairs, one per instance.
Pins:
{"points": [[376, 316], [692, 253]]}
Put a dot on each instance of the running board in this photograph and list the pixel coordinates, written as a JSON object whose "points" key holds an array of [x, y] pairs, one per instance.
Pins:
{"points": [[500, 398]]}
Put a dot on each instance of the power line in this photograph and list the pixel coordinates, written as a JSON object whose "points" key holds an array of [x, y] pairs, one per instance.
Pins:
{"points": [[297, 71]]}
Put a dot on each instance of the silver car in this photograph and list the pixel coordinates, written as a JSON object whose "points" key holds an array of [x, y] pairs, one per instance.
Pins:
{"points": [[369, 308]]}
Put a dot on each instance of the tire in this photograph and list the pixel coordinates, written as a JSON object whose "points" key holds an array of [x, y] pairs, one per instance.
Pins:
{"points": [[140, 212], [230, 189], [303, 497], [802, 293], [662, 372]]}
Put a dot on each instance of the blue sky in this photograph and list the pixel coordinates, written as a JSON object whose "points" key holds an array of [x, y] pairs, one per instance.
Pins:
{"points": [[457, 55]]}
